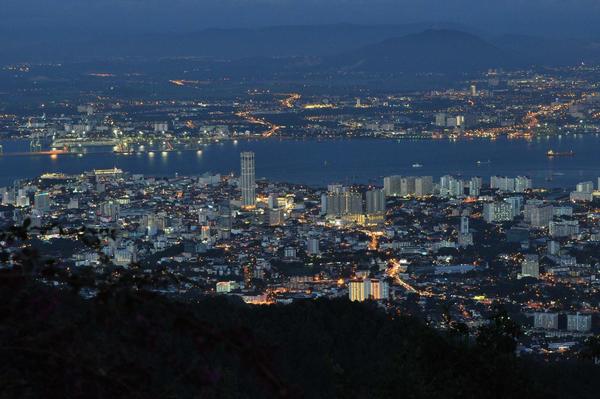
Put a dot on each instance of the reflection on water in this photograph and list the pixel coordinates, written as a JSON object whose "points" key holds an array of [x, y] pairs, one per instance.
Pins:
{"points": [[346, 161]]}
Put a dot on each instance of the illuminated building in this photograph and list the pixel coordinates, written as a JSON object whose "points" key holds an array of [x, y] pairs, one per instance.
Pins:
{"points": [[407, 186], [248, 179], [423, 186], [465, 237], [312, 246], [378, 289], [343, 202], [375, 200], [360, 290], [451, 187], [530, 267], [564, 228], [275, 217], [495, 212], [391, 185], [357, 291], [42, 202], [542, 215], [579, 322], [473, 90], [516, 203], [545, 320], [475, 185]]}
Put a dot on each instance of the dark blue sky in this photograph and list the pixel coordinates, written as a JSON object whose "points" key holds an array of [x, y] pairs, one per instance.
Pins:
{"points": [[548, 17]]}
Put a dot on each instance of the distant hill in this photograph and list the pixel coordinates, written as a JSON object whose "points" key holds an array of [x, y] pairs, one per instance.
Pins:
{"points": [[430, 51], [427, 47], [275, 41]]}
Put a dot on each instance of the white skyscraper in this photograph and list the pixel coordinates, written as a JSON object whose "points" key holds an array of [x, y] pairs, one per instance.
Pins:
{"points": [[248, 179]]}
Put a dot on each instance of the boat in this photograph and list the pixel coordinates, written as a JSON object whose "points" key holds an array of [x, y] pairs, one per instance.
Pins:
{"points": [[417, 165], [552, 154], [484, 162]]}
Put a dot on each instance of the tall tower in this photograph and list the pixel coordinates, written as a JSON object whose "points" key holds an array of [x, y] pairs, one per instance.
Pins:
{"points": [[464, 225], [248, 179]]}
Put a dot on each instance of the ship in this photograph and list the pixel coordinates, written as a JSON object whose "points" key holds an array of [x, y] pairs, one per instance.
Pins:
{"points": [[552, 153], [417, 165]]}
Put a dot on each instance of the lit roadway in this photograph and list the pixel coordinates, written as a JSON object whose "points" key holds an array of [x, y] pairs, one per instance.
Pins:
{"points": [[290, 100], [394, 272], [273, 128]]}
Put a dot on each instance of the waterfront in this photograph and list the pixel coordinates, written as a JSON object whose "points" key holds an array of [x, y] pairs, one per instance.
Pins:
{"points": [[346, 161]]}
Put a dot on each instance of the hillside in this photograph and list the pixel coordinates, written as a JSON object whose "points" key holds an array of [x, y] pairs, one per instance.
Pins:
{"points": [[136, 344], [445, 51]]}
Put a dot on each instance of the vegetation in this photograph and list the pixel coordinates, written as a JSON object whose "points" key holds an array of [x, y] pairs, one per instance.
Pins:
{"points": [[128, 341]]}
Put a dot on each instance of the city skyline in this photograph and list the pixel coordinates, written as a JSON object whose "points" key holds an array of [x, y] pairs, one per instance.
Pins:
{"points": [[300, 199]]}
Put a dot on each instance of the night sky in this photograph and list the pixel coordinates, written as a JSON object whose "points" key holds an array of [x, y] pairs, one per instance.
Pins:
{"points": [[567, 18]]}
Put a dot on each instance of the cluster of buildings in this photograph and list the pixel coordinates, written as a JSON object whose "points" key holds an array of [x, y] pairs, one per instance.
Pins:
{"points": [[412, 244]]}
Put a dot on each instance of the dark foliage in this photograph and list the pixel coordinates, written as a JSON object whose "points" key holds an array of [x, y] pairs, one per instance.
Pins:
{"points": [[129, 342]]}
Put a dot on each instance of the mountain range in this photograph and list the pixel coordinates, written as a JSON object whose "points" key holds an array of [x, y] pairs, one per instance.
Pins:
{"points": [[438, 47]]}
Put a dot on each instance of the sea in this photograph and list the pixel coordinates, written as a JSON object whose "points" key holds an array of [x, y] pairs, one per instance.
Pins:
{"points": [[347, 161]]}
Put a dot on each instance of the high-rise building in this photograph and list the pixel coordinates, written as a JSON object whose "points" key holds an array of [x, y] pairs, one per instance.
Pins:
{"points": [[516, 203], [272, 201], [375, 200], [323, 204], [378, 289], [22, 199], [407, 186], [497, 212], [585, 187], [248, 179], [353, 203], [564, 228], [391, 185], [542, 215], [475, 185], [42, 202], [423, 186], [111, 209], [457, 188], [522, 184], [553, 248], [530, 267], [357, 291], [465, 237], [275, 217], [579, 322], [361, 290], [451, 187], [545, 320], [502, 183], [440, 119], [464, 225], [583, 192], [312, 246], [473, 90], [344, 202]]}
